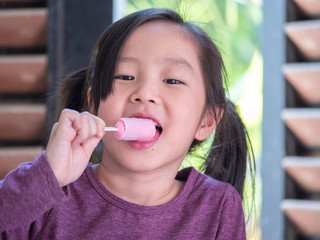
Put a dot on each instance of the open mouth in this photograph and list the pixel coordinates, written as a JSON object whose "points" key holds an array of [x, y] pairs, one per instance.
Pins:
{"points": [[145, 143], [158, 127], [158, 131], [142, 143]]}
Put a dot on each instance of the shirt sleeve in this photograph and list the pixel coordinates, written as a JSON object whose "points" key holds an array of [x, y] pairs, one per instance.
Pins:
{"points": [[26, 195], [232, 223]]}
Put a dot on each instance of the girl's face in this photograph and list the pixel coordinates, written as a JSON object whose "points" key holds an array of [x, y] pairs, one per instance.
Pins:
{"points": [[157, 76]]}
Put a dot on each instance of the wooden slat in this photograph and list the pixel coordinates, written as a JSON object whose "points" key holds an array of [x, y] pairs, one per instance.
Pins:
{"points": [[23, 28], [12, 157], [22, 122], [305, 171], [305, 78], [306, 36], [23, 74], [305, 124], [304, 214], [310, 7]]}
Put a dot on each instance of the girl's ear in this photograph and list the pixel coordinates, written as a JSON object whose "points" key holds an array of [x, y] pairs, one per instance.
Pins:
{"points": [[208, 124]]}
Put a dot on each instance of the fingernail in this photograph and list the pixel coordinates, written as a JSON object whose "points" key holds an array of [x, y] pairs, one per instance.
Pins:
{"points": [[100, 134]]}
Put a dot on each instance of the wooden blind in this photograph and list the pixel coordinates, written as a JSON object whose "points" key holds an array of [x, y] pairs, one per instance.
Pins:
{"points": [[301, 203], [23, 81], [41, 42]]}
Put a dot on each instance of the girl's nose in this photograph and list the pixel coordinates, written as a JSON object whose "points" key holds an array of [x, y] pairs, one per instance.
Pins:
{"points": [[145, 94]]}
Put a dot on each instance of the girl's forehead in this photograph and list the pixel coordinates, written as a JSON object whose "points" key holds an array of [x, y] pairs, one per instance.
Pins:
{"points": [[163, 26], [161, 45], [161, 34]]}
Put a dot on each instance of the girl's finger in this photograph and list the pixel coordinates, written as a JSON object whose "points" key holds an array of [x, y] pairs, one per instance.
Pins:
{"points": [[100, 124], [82, 133], [89, 128], [96, 124], [68, 124], [91, 143]]}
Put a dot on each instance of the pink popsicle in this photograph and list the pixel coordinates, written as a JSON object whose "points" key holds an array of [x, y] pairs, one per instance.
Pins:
{"points": [[135, 129]]}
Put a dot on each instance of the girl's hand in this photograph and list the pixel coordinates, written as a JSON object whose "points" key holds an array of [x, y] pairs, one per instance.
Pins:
{"points": [[72, 141]]}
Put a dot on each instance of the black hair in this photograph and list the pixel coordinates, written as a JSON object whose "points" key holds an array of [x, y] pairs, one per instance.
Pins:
{"points": [[72, 92], [231, 153]]}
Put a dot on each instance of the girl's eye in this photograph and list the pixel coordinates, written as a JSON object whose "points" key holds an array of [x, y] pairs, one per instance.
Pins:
{"points": [[172, 81], [124, 77]]}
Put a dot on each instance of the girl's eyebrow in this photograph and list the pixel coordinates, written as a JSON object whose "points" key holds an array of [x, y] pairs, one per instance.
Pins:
{"points": [[168, 60], [127, 59], [178, 61]]}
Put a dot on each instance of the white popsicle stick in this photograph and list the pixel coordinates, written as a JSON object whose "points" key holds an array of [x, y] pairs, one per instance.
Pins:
{"points": [[110, 129]]}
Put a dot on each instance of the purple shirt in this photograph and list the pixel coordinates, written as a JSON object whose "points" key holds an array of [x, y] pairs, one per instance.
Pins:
{"points": [[34, 206]]}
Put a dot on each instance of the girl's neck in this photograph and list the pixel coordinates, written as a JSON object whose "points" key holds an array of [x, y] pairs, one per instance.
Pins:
{"points": [[148, 189]]}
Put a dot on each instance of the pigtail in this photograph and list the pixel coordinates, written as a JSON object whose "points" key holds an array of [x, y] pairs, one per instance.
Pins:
{"points": [[231, 150], [71, 92]]}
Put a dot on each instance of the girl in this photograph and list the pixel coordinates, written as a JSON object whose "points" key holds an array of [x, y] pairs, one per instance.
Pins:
{"points": [[150, 64]]}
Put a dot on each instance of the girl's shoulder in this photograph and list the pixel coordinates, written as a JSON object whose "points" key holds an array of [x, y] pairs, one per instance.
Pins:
{"points": [[201, 186], [214, 204]]}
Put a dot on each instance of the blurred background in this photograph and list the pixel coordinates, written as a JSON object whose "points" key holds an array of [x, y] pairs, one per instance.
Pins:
{"points": [[271, 52]]}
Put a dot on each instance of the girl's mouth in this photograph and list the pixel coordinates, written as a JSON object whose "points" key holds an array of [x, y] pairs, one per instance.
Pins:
{"points": [[158, 127], [143, 145]]}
